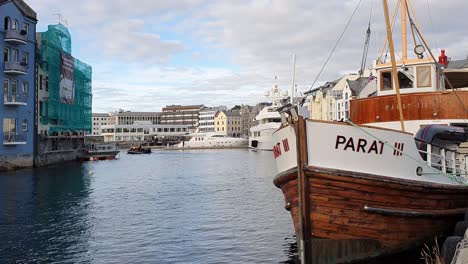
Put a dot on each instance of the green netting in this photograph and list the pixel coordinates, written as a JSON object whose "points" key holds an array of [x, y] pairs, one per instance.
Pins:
{"points": [[72, 117]]}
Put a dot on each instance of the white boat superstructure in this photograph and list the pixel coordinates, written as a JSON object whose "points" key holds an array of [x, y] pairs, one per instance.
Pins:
{"points": [[267, 121], [212, 140]]}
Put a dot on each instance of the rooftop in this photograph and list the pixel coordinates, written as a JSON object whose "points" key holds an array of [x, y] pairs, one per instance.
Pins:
{"points": [[23, 8]]}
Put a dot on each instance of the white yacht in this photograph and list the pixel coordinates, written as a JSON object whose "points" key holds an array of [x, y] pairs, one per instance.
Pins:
{"points": [[267, 121], [212, 140]]}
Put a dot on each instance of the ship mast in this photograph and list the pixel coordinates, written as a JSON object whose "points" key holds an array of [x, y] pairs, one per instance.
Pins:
{"points": [[392, 54], [293, 77], [404, 41]]}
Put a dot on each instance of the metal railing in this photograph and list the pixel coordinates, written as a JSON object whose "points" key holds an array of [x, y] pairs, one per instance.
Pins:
{"points": [[16, 36], [13, 138], [14, 66], [444, 159], [14, 99]]}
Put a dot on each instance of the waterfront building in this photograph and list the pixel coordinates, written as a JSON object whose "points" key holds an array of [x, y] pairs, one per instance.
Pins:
{"points": [[248, 114], [141, 131], [320, 100], [331, 101], [64, 97], [206, 118], [129, 118], [17, 39], [228, 123], [100, 119], [181, 115]]}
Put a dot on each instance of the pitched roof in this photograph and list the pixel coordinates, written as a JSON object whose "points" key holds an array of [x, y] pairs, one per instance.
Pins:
{"points": [[458, 64], [358, 85], [233, 113], [22, 7]]}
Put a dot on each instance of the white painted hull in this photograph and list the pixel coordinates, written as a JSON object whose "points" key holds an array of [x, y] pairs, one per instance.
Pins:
{"points": [[373, 151], [263, 143], [265, 140], [223, 143]]}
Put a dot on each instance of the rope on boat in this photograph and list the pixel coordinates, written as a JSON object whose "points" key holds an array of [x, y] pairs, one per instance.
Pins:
{"points": [[424, 164], [463, 244]]}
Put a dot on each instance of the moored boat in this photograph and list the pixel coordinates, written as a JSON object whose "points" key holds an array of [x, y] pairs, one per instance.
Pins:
{"points": [[267, 121], [99, 151], [357, 191], [212, 140], [139, 150]]}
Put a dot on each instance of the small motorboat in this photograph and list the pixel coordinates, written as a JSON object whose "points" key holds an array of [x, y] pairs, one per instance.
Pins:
{"points": [[139, 150], [98, 151]]}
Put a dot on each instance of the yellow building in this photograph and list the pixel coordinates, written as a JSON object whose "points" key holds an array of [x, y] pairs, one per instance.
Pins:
{"points": [[221, 122], [228, 123]]}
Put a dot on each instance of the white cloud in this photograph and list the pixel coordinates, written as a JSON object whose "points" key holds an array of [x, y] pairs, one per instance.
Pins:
{"points": [[257, 37]]}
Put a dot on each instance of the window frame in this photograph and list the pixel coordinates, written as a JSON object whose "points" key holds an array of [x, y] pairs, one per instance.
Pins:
{"points": [[15, 25], [24, 125], [382, 81], [417, 76]]}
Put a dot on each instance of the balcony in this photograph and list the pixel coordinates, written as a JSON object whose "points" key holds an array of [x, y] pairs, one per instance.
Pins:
{"points": [[15, 37], [15, 100], [13, 67], [14, 139]]}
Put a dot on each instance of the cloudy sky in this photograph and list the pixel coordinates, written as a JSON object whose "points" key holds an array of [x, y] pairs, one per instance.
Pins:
{"points": [[150, 53]]}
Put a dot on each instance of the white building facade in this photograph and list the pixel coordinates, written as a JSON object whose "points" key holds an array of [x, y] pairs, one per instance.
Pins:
{"points": [[99, 120], [206, 118]]}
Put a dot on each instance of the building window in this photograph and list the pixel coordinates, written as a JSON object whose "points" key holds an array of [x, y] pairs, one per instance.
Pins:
{"points": [[40, 82], [25, 88], [7, 23], [15, 25], [6, 85], [24, 125], [14, 86], [46, 80], [25, 59], [9, 127], [14, 55], [26, 28], [6, 54]]}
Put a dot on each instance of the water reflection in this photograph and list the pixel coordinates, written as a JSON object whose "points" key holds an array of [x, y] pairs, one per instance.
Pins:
{"points": [[290, 250], [44, 215], [167, 207]]}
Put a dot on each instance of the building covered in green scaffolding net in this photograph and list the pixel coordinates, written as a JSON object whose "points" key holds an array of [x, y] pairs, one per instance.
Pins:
{"points": [[64, 95], [64, 83]]}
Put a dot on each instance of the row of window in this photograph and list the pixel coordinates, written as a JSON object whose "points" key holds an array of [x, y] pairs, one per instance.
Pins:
{"points": [[10, 89], [406, 78], [10, 54], [142, 130], [9, 25], [229, 123]]}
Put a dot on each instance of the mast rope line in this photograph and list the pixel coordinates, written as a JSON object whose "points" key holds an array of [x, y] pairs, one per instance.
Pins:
{"points": [[435, 171], [336, 45]]}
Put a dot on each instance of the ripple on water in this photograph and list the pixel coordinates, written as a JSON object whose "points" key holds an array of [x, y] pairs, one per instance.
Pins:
{"points": [[168, 207]]}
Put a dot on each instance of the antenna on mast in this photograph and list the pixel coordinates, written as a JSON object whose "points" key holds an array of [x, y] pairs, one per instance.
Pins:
{"points": [[62, 20], [293, 92]]}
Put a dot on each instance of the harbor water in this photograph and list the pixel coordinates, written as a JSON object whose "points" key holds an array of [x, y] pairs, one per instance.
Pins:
{"points": [[211, 206]]}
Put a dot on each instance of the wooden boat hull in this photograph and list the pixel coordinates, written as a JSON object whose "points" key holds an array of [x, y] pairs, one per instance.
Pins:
{"points": [[356, 216]]}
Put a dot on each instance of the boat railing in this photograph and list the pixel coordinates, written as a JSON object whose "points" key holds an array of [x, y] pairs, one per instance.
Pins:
{"points": [[444, 159]]}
